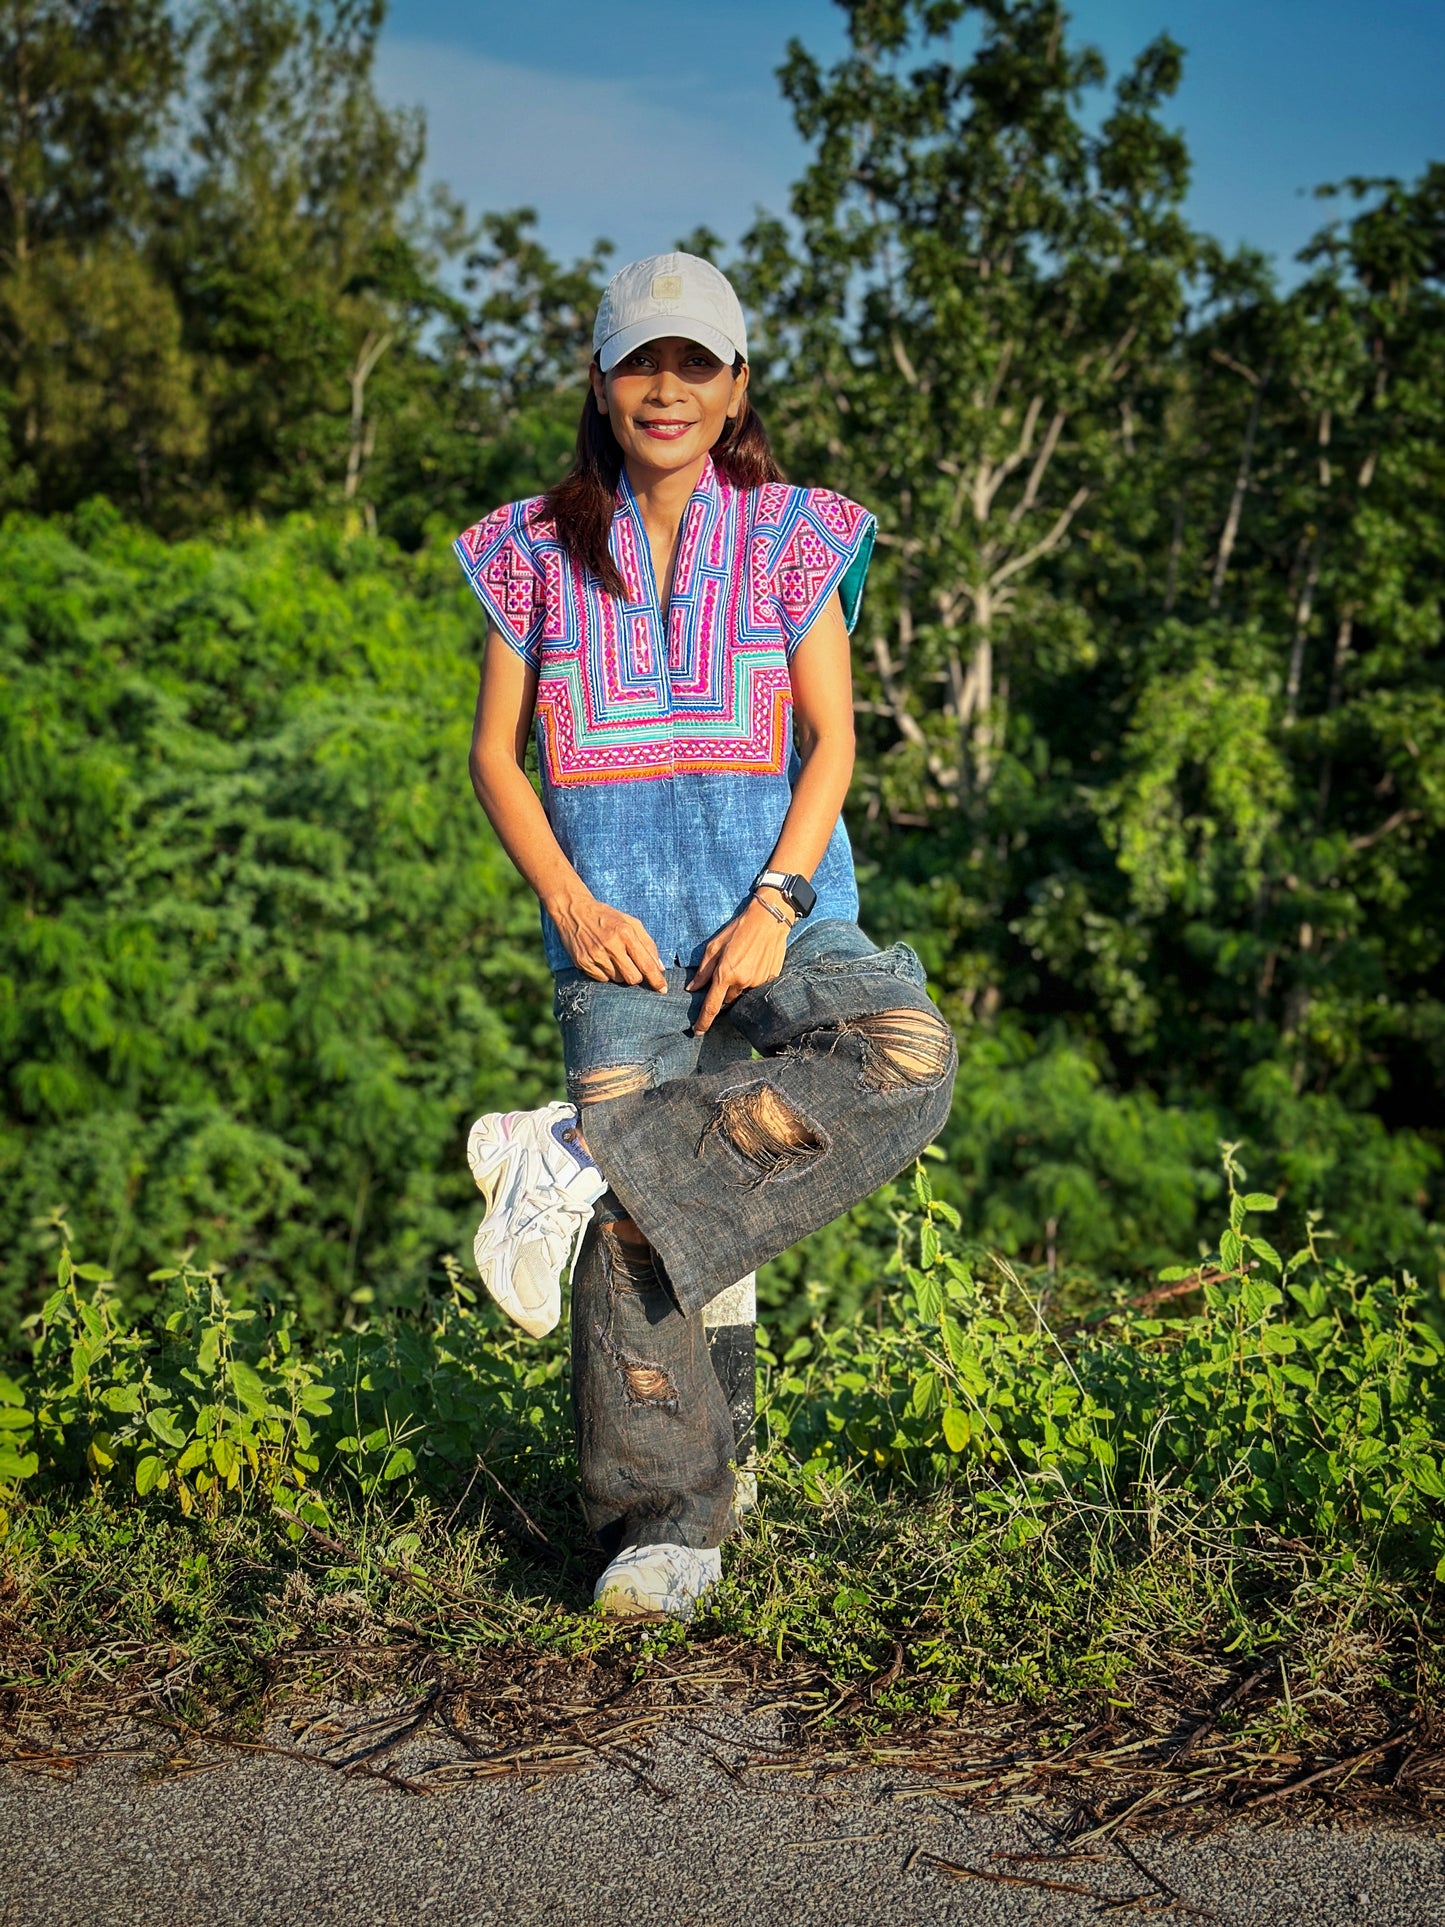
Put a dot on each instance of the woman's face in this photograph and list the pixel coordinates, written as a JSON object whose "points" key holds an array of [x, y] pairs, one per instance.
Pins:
{"points": [[667, 402]]}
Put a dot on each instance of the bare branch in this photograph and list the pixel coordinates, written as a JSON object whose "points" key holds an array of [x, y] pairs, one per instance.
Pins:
{"points": [[1344, 638], [995, 387], [1230, 530], [1117, 353], [1043, 547], [1228, 361], [371, 351], [1303, 611], [1036, 473], [904, 721], [1390, 823], [988, 481]]}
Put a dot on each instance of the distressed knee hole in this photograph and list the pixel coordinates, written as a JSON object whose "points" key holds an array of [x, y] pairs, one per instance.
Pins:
{"points": [[765, 1131], [630, 1261], [644, 1382], [902, 1048], [611, 1080]]}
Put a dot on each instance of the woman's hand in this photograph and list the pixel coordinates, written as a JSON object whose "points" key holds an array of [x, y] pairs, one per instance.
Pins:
{"points": [[606, 943], [747, 951]]}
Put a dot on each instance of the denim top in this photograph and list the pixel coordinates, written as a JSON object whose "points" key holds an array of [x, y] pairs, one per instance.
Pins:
{"points": [[666, 752]]}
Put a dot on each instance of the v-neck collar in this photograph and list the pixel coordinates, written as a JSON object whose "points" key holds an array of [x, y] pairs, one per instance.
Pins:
{"points": [[706, 490]]}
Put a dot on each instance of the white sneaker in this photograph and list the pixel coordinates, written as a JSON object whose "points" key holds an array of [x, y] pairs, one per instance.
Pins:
{"points": [[659, 1579], [540, 1192]]}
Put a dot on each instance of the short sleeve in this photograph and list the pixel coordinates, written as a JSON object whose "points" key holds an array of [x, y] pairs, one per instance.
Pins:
{"points": [[501, 564], [824, 542]]}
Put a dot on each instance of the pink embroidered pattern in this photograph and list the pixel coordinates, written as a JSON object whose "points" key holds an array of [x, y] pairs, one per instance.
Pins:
{"points": [[512, 579], [621, 700]]}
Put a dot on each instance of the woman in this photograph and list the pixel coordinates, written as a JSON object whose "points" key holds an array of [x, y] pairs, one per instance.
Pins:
{"points": [[674, 619]]}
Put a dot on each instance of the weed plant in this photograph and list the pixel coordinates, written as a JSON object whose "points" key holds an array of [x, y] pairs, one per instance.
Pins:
{"points": [[1017, 1504]]}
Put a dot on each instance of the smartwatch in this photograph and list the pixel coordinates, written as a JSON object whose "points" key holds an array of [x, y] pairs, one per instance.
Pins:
{"points": [[796, 891]]}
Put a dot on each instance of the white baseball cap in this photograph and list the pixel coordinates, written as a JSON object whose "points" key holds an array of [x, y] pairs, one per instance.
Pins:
{"points": [[669, 294]]}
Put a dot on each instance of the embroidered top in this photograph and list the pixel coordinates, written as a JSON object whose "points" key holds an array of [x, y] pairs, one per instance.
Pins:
{"points": [[667, 755]]}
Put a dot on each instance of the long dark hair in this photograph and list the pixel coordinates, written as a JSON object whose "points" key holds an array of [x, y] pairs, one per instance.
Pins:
{"points": [[583, 503]]}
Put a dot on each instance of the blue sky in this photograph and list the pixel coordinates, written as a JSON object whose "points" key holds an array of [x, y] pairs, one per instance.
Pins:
{"points": [[643, 118]]}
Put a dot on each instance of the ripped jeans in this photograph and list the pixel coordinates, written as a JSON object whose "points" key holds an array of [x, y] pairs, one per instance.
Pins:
{"points": [[723, 1159]]}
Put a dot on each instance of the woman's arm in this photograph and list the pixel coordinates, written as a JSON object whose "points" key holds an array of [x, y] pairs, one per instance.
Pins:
{"points": [[749, 950], [606, 943]]}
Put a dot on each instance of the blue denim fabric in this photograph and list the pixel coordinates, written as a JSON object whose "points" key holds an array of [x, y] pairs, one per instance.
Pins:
{"points": [[656, 1437], [605, 1025], [686, 867]]}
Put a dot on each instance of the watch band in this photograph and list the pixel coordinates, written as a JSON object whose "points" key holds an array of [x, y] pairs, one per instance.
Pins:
{"points": [[796, 891]]}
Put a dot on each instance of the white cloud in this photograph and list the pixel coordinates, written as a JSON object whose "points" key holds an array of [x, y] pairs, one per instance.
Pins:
{"points": [[640, 161]]}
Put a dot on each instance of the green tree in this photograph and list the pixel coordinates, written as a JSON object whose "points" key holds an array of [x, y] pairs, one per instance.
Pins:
{"points": [[1017, 281], [93, 387], [261, 961], [1117, 699]]}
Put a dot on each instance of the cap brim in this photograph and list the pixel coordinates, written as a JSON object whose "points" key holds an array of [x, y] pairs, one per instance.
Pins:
{"points": [[656, 328]]}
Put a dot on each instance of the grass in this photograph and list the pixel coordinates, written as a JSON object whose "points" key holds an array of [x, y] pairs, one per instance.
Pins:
{"points": [[1186, 1560]]}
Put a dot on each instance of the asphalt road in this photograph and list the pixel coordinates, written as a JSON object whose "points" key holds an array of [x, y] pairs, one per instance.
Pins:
{"points": [[227, 1839]]}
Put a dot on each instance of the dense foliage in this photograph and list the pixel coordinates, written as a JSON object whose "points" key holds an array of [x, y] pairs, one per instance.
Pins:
{"points": [[261, 964], [1151, 704], [1301, 1397]]}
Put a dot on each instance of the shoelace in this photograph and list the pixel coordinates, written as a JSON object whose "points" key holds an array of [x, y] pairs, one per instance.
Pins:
{"points": [[552, 1205]]}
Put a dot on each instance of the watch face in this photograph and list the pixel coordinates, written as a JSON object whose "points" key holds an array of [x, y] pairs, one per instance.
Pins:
{"points": [[802, 895]]}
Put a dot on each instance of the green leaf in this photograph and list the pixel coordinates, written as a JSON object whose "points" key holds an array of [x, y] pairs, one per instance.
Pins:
{"points": [[1230, 1250], [148, 1473], [957, 1428], [1261, 1201], [928, 1295], [399, 1464], [165, 1427], [1427, 1476], [248, 1388], [923, 1396], [17, 1465]]}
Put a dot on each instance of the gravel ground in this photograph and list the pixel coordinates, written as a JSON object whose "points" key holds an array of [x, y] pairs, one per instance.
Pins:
{"points": [[228, 1839]]}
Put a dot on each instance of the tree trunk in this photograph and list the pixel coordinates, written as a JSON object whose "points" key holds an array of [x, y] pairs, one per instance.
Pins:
{"points": [[981, 673], [1343, 637], [1304, 608], [1236, 501], [371, 351]]}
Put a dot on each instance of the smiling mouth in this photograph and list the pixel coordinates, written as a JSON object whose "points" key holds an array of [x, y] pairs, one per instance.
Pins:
{"points": [[665, 431]]}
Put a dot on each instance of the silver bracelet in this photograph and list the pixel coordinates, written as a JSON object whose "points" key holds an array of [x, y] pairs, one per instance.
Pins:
{"points": [[773, 911]]}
